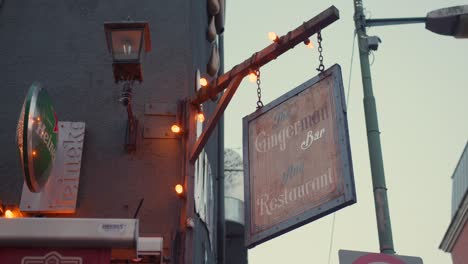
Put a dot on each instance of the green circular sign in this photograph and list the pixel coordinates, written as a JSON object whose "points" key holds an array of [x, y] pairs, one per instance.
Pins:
{"points": [[37, 135]]}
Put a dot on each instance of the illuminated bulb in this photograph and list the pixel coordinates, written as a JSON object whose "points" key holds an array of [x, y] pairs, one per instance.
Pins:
{"points": [[309, 43], [127, 49], [252, 77], [200, 117], [203, 82], [34, 153], [273, 37], [175, 128], [179, 189], [9, 214], [38, 119]]}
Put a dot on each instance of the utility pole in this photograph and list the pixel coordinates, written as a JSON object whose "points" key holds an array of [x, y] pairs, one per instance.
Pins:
{"points": [[384, 227]]}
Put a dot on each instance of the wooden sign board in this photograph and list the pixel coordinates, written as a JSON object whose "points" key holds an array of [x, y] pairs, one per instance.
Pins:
{"points": [[297, 159]]}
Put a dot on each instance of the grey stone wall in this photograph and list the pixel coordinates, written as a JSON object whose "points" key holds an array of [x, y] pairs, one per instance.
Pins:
{"points": [[62, 45]]}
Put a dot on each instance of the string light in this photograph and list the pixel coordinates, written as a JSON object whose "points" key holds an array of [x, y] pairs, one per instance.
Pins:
{"points": [[252, 77], [309, 43], [34, 153], [200, 117], [9, 214], [273, 37], [179, 189], [203, 82], [175, 128]]}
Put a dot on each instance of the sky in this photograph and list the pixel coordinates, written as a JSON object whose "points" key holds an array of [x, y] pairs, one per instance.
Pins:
{"points": [[420, 83]]}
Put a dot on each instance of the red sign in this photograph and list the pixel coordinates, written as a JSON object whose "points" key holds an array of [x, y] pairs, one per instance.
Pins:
{"points": [[358, 257], [55, 256], [297, 158], [381, 258]]}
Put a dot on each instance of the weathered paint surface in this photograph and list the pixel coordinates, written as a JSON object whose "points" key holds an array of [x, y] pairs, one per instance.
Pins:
{"points": [[293, 157], [459, 252]]}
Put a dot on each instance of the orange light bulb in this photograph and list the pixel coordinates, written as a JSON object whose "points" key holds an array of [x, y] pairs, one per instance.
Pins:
{"points": [[34, 153], [252, 77], [179, 189], [272, 36], [175, 128], [203, 82], [200, 117], [309, 43], [9, 214]]}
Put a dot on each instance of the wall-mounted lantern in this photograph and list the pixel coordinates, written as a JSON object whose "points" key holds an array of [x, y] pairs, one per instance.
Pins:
{"points": [[125, 41]]}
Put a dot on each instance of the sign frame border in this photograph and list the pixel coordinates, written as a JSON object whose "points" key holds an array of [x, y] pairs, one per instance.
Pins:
{"points": [[25, 146], [343, 147]]}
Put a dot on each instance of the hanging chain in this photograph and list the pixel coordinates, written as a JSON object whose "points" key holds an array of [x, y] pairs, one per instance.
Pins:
{"points": [[321, 67], [259, 90]]}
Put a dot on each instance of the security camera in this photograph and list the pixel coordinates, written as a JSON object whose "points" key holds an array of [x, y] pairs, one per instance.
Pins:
{"points": [[373, 42]]}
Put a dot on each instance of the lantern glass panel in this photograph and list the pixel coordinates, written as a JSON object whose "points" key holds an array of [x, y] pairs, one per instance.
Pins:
{"points": [[126, 45]]}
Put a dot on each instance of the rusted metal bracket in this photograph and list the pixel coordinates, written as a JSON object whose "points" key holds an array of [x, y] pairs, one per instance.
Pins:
{"points": [[269, 53], [222, 104], [232, 78], [131, 133]]}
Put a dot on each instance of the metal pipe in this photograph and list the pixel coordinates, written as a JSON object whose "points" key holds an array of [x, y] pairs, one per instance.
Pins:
{"points": [[221, 221], [131, 117], [394, 21], [138, 208], [373, 137]]}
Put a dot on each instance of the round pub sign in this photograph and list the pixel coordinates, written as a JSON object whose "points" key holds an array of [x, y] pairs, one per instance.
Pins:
{"points": [[37, 135]]}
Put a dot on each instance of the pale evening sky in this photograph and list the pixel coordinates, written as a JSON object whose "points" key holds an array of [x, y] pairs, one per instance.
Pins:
{"points": [[420, 83]]}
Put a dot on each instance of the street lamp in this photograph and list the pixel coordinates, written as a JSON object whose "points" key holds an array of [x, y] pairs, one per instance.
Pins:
{"points": [[452, 21], [125, 41], [449, 21]]}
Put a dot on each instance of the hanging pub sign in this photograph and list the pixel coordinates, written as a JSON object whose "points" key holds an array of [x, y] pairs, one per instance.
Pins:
{"points": [[297, 159], [36, 135]]}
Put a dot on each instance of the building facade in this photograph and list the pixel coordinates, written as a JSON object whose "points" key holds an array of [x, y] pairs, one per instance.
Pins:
{"points": [[62, 45], [236, 252], [455, 240]]}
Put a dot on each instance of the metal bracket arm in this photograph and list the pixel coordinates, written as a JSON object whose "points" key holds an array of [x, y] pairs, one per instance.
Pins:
{"points": [[218, 112], [232, 78], [269, 53], [394, 21]]}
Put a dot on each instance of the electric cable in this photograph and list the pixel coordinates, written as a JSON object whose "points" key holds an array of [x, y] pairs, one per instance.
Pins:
{"points": [[350, 71], [331, 238], [347, 102]]}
